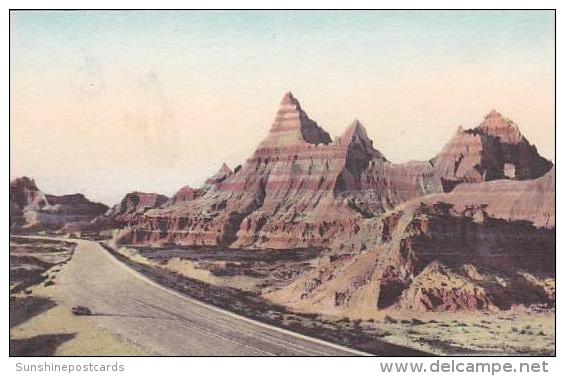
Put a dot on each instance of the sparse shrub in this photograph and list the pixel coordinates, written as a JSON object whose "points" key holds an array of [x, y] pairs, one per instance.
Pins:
{"points": [[390, 320], [81, 311]]}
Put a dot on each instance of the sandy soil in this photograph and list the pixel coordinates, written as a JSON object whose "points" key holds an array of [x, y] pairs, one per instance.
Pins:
{"points": [[42, 323], [193, 269], [513, 332]]}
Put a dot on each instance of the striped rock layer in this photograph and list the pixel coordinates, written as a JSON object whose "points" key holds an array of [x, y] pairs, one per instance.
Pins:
{"points": [[494, 150], [301, 189], [297, 189], [134, 204], [483, 246]]}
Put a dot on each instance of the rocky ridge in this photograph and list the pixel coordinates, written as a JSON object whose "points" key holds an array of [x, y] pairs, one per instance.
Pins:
{"points": [[30, 208], [299, 188], [494, 150], [483, 246], [471, 229]]}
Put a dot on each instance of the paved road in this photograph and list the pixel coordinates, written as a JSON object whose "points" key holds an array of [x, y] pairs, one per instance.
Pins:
{"points": [[165, 322]]}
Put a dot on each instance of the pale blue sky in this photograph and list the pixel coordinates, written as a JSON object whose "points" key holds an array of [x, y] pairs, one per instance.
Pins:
{"points": [[172, 95], [200, 39]]}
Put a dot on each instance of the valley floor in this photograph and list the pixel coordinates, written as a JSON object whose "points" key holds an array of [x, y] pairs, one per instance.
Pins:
{"points": [[44, 289], [513, 332], [130, 314]]}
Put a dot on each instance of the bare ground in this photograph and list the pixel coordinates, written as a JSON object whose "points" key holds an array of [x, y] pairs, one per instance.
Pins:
{"points": [[234, 280], [41, 322], [250, 304]]}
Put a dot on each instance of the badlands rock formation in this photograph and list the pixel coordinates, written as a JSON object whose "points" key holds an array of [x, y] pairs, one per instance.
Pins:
{"points": [[187, 193], [482, 246], [31, 208], [184, 194], [298, 189], [301, 189], [223, 173], [24, 194], [494, 150], [123, 214], [134, 204], [471, 229]]}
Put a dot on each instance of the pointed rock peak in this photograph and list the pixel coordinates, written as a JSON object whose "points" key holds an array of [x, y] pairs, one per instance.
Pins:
{"points": [[493, 114], [223, 173], [186, 193], [292, 126], [494, 119], [356, 124], [288, 98], [356, 134], [289, 103], [225, 169], [495, 124], [355, 129]]}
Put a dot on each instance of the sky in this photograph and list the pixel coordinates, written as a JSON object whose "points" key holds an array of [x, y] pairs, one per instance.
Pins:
{"points": [[108, 102]]}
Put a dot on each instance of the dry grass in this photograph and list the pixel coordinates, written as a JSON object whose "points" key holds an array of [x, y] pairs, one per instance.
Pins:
{"points": [[514, 332]]}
